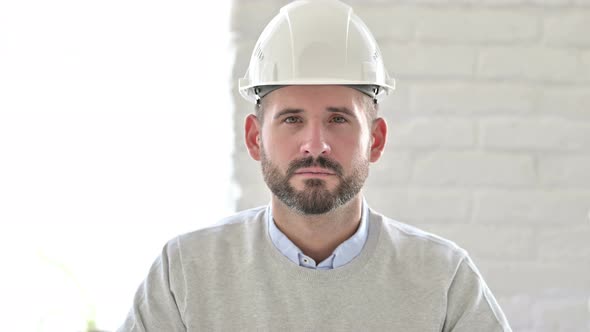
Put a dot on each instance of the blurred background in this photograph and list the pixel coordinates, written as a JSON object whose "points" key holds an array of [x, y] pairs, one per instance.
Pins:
{"points": [[115, 136], [121, 127]]}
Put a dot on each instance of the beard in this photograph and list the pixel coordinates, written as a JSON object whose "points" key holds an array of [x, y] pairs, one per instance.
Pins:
{"points": [[315, 198]]}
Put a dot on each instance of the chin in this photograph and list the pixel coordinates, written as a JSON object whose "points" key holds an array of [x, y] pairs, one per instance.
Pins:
{"points": [[311, 183]]}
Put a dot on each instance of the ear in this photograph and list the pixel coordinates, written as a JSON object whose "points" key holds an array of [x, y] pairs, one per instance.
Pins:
{"points": [[252, 132], [378, 139]]}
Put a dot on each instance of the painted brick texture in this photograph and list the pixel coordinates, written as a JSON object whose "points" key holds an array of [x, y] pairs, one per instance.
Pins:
{"points": [[489, 141]]}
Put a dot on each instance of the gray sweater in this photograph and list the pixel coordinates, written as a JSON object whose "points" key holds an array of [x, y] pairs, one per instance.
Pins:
{"points": [[231, 278]]}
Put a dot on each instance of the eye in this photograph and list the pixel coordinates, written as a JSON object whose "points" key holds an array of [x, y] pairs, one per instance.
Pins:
{"points": [[292, 119], [339, 119]]}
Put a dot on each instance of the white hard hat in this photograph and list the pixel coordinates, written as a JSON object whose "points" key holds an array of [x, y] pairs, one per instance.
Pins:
{"points": [[316, 42]]}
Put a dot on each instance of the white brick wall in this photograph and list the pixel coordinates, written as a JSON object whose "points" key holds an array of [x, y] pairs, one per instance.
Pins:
{"points": [[569, 171], [568, 28], [432, 132], [539, 207], [536, 63], [569, 102], [467, 25], [534, 133], [465, 98], [426, 61], [489, 139], [473, 168]]}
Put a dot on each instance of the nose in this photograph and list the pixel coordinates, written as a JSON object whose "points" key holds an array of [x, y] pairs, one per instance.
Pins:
{"points": [[315, 143]]}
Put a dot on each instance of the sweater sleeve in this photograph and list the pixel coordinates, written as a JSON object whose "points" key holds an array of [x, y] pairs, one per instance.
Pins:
{"points": [[470, 303], [156, 302]]}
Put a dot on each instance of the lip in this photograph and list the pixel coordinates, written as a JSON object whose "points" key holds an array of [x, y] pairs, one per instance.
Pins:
{"points": [[314, 171]]}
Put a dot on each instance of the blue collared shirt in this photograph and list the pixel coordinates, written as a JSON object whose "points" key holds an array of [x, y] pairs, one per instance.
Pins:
{"points": [[342, 255]]}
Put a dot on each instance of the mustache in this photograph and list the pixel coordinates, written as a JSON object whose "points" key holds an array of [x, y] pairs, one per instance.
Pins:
{"points": [[320, 161]]}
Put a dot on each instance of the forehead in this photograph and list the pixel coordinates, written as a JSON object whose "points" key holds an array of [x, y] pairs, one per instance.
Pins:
{"points": [[313, 97]]}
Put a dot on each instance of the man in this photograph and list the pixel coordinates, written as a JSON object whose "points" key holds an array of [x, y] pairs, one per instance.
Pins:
{"points": [[317, 258]]}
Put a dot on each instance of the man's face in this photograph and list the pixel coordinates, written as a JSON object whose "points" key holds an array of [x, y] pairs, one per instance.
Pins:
{"points": [[315, 146]]}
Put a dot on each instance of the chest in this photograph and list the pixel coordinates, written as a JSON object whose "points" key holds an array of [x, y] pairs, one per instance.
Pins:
{"points": [[257, 300]]}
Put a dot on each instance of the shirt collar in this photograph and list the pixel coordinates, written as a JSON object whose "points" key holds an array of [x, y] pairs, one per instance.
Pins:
{"points": [[342, 255]]}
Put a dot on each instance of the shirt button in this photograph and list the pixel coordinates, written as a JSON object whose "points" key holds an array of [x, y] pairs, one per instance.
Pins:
{"points": [[305, 260]]}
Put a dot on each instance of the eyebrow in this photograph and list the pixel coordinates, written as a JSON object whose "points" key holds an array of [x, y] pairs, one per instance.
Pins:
{"points": [[298, 110], [288, 111], [340, 110]]}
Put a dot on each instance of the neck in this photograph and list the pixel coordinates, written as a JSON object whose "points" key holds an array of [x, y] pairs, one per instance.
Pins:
{"points": [[318, 235]]}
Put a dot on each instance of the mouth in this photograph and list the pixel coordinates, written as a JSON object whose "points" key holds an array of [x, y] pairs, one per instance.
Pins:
{"points": [[314, 171]]}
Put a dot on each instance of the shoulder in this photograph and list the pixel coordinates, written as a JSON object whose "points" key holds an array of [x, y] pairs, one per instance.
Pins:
{"points": [[411, 244], [226, 233], [245, 216], [229, 225]]}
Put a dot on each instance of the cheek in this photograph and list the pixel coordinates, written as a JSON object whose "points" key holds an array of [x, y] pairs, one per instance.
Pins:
{"points": [[353, 140], [351, 151], [276, 148]]}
